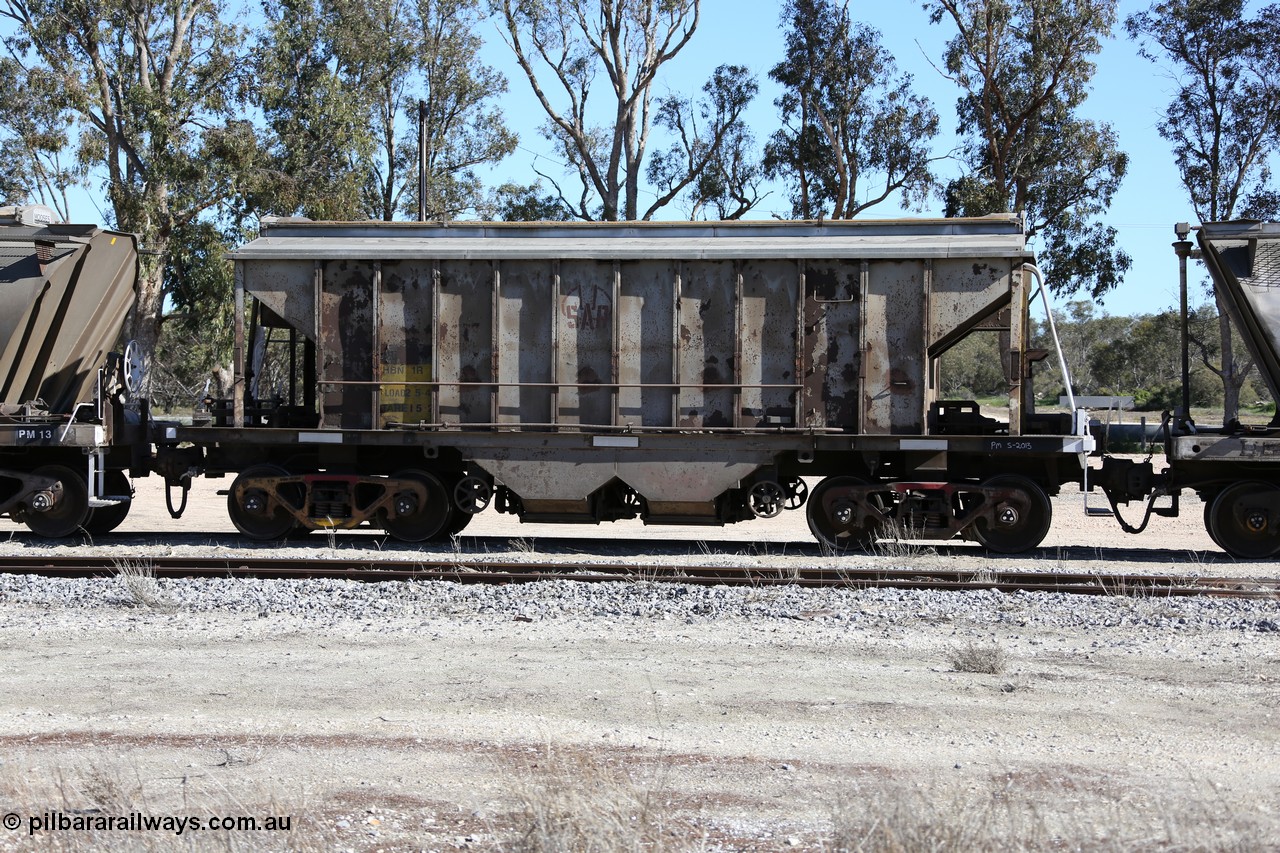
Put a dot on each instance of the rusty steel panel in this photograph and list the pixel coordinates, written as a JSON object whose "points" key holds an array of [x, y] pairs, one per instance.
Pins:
{"points": [[681, 476], [585, 338], [768, 343], [964, 294], [286, 287], [464, 336], [540, 474], [646, 307], [832, 352], [64, 294], [346, 346], [405, 324], [707, 343], [894, 381], [525, 317]]}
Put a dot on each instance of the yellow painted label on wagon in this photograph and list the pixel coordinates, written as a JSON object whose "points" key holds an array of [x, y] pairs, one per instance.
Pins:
{"points": [[401, 399]]}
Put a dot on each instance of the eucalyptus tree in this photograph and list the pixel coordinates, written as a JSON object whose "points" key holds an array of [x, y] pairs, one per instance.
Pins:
{"points": [[853, 133], [318, 137], [146, 99], [565, 46], [37, 160], [1024, 68], [711, 161], [1224, 124], [344, 85]]}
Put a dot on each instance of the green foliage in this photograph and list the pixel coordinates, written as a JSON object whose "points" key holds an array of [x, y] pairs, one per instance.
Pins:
{"points": [[1143, 355], [711, 159], [1224, 117], [344, 84], [973, 368], [516, 203], [849, 118], [1025, 67], [317, 128], [36, 123], [144, 94], [1136, 356], [200, 332]]}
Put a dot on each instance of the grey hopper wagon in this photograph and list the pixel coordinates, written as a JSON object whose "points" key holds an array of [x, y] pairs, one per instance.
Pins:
{"points": [[409, 375], [1235, 468], [64, 293]]}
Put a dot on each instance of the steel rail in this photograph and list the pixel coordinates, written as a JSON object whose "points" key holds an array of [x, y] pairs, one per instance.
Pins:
{"points": [[500, 571]]}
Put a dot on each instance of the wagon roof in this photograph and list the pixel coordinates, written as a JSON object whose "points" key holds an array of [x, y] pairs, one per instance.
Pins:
{"points": [[988, 236]]}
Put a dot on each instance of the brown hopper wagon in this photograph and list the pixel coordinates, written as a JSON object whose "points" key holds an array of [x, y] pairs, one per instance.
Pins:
{"points": [[65, 437]]}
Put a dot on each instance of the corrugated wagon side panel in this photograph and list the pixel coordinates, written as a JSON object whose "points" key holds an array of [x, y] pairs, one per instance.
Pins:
{"points": [[768, 343], [707, 342], [964, 292], [287, 287], [405, 323], [347, 344], [464, 335], [646, 357], [831, 356], [585, 337], [526, 313], [894, 382]]}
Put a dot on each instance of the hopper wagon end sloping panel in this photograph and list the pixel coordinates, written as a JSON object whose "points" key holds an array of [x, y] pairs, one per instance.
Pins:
{"points": [[64, 311], [1244, 260]]}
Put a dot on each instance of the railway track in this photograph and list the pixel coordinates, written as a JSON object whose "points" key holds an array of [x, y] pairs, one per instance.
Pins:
{"points": [[502, 572]]}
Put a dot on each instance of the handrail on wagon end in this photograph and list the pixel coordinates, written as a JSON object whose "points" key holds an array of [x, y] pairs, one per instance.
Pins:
{"points": [[1053, 332]]}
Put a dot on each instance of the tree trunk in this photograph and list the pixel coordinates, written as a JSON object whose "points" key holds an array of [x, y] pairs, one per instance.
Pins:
{"points": [[143, 322]]}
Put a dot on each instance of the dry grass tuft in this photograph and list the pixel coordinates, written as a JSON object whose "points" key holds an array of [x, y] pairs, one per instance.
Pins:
{"points": [[896, 541], [103, 788], [524, 545], [979, 658], [901, 819], [575, 804], [138, 580]]}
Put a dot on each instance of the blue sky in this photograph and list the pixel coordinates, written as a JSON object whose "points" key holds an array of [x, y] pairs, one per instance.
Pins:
{"points": [[1129, 92]]}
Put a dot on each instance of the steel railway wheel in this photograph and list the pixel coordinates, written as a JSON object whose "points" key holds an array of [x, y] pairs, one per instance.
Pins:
{"points": [[1021, 523], [68, 514], [833, 515], [457, 523], [104, 519], [1208, 522], [255, 512], [1242, 520], [417, 521]]}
